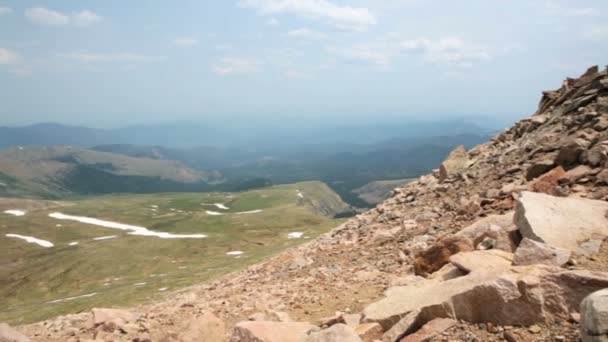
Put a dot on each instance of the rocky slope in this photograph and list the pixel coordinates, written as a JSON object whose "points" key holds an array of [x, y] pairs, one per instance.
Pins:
{"points": [[501, 243]]}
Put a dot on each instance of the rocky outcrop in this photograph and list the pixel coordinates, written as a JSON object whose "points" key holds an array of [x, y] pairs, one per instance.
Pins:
{"points": [[561, 222]]}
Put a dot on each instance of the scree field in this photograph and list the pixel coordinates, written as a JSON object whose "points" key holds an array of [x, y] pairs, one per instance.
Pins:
{"points": [[91, 265]]}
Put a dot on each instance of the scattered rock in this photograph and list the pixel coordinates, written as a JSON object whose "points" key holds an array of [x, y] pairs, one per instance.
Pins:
{"points": [[336, 333], [433, 328], [206, 327]]}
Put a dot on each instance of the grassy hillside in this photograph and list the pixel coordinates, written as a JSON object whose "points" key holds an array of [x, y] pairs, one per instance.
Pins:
{"points": [[130, 269]]}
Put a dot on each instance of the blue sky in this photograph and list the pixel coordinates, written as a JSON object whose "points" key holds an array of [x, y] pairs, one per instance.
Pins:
{"points": [[110, 63]]}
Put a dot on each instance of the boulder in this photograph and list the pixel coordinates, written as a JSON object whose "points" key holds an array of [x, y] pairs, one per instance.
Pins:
{"points": [[336, 333], [532, 252], [433, 328], [548, 182], [579, 172], [271, 331], [570, 152], [454, 164], [522, 295], [594, 317], [435, 257], [369, 332], [8, 334], [205, 327], [539, 168], [497, 227], [560, 222], [479, 261]]}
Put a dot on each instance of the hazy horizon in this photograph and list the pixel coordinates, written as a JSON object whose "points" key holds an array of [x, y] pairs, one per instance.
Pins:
{"points": [[113, 64]]}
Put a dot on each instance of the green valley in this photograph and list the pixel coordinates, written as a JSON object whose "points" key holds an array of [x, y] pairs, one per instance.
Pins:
{"points": [[92, 265]]}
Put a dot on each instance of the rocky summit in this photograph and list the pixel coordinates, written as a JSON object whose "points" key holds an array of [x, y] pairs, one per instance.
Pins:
{"points": [[504, 242]]}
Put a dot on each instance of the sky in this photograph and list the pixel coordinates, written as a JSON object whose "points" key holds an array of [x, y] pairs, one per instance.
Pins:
{"points": [[110, 63]]}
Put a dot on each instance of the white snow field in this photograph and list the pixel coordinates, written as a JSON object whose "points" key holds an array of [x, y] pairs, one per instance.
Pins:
{"points": [[134, 230], [295, 235], [29, 239], [15, 212]]}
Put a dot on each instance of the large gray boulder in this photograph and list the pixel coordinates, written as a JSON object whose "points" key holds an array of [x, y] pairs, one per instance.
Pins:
{"points": [[594, 317], [8, 334], [560, 222]]}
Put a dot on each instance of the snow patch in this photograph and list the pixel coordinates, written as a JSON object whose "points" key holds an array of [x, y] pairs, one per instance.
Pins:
{"points": [[140, 284], [15, 212], [75, 243], [134, 230], [295, 235], [71, 298], [221, 206], [163, 289], [213, 213], [105, 238], [300, 194], [249, 212], [235, 253], [29, 239]]}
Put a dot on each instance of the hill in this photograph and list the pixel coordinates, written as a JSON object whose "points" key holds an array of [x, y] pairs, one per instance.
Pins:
{"points": [[503, 242], [55, 171], [110, 266]]}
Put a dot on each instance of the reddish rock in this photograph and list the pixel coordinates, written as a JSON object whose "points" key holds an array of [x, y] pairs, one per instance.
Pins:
{"points": [[548, 182], [435, 257]]}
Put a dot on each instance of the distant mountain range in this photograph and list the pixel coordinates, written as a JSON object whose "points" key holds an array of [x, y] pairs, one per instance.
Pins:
{"points": [[53, 161], [257, 136]]}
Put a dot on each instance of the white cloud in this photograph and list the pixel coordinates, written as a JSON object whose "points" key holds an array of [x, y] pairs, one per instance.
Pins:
{"points": [[185, 41], [554, 8], [47, 17], [375, 55], [122, 57], [224, 47], [449, 51], [43, 16], [272, 22], [5, 10], [293, 74], [598, 33], [8, 57], [86, 18], [343, 17], [234, 65], [304, 33]]}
